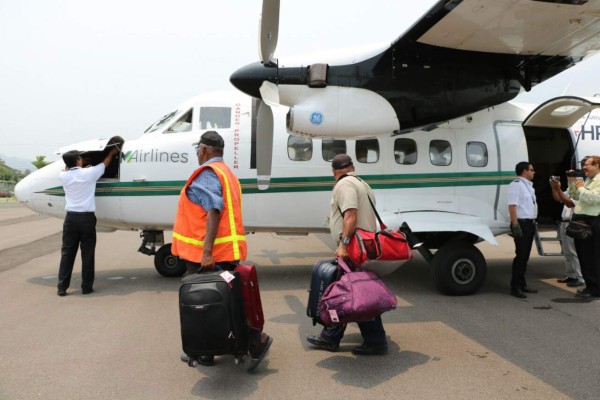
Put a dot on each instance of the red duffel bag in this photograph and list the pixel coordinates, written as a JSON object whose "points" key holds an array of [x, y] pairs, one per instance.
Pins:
{"points": [[383, 245]]}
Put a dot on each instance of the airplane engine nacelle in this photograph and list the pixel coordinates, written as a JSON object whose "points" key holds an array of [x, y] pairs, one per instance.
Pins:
{"points": [[340, 112]]}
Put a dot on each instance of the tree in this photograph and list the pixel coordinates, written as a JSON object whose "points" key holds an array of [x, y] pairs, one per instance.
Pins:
{"points": [[40, 162]]}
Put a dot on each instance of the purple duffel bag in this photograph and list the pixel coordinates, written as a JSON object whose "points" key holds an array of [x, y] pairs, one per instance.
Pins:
{"points": [[358, 296]]}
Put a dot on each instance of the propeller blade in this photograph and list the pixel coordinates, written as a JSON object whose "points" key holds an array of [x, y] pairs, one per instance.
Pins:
{"points": [[268, 30], [264, 145], [269, 92]]}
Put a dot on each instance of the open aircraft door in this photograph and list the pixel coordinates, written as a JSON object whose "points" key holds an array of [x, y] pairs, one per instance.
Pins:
{"points": [[93, 153], [553, 147]]}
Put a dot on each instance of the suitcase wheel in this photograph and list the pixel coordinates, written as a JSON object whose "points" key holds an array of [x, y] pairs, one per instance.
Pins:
{"points": [[238, 360]]}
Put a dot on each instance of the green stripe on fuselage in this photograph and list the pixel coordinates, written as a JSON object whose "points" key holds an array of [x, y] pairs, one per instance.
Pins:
{"points": [[306, 184]]}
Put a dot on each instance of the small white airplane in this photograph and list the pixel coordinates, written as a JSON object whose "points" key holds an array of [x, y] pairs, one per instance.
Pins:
{"points": [[448, 185], [429, 126]]}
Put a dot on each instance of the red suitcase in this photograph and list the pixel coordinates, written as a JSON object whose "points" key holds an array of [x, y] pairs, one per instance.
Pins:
{"points": [[251, 295]]}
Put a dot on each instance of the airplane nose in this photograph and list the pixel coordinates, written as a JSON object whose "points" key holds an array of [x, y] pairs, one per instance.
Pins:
{"points": [[23, 189], [249, 78]]}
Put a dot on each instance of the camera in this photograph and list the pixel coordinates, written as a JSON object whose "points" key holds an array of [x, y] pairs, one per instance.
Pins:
{"points": [[576, 173], [555, 178]]}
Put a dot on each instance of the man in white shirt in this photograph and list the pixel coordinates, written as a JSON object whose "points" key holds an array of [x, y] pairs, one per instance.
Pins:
{"points": [[79, 227], [522, 208], [573, 277]]}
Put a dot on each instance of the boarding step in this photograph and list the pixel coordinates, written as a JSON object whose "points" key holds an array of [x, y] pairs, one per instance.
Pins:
{"points": [[541, 235]]}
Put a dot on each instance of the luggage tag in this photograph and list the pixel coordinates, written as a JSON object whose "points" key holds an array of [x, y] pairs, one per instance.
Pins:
{"points": [[227, 276], [333, 315]]}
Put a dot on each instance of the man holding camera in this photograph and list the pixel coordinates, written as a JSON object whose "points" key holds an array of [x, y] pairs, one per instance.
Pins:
{"points": [[522, 208]]}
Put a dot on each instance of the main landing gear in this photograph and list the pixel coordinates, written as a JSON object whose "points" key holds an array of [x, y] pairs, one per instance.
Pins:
{"points": [[165, 263]]}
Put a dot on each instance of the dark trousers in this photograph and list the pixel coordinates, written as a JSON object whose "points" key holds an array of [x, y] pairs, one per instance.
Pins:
{"points": [[588, 252], [372, 332], [79, 229], [522, 252]]}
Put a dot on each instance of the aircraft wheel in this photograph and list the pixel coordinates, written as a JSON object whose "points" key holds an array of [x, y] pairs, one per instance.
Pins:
{"points": [[459, 268], [167, 264]]}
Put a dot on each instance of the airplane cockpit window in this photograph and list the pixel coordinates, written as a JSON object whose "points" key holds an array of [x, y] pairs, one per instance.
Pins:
{"points": [[405, 151], [331, 148], [299, 148], [183, 124], [215, 117], [440, 152], [477, 154], [161, 122], [367, 151]]}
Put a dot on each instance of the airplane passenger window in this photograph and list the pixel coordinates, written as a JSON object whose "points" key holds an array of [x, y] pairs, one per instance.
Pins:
{"points": [[367, 151], [299, 148], [215, 118], [183, 124], [477, 154], [405, 151], [440, 152], [331, 148]]}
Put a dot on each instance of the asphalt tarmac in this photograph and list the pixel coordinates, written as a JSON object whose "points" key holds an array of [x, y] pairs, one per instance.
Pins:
{"points": [[123, 341]]}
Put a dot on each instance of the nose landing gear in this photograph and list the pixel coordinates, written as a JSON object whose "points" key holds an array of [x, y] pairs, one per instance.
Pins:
{"points": [[165, 263]]}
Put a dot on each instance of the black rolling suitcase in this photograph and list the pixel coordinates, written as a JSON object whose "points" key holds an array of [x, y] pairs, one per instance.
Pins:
{"points": [[324, 273], [211, 311]]}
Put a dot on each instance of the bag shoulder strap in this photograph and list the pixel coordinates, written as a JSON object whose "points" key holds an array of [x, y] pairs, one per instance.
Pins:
{"points": [[381, 224]]}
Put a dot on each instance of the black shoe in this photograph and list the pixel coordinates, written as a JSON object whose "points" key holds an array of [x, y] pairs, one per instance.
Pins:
{"points": [[207, 361], [364, 350], [258, 354], [566, 279], [581, 291], [528, 290], [322, 344], [87, 291], [61, 292], [575, 283], [518, 293], [586, 295]]}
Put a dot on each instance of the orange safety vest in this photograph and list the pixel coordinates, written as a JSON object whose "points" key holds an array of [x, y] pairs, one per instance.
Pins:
{"points": [[189, 229]]}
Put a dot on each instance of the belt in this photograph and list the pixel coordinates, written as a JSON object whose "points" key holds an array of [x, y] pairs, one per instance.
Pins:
{"points": [[80, 212], [526, 219]]}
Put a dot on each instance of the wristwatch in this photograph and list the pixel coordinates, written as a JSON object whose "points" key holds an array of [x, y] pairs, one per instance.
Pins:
{"points": [[345, 240]]}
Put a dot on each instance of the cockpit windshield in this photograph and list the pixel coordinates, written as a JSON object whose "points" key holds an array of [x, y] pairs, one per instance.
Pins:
{"points": [[164, 120]]}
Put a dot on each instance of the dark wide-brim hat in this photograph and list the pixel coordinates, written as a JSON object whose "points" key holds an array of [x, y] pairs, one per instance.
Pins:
{"points": [[211, 138], [341, 161]]}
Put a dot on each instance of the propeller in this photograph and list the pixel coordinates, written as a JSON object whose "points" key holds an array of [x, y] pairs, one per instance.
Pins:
{"points": [[267, 43], [269, 30]]}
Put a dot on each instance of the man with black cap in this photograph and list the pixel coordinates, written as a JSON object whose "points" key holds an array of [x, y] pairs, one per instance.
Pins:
{"points": [[79, 228], [208, 232], [351, 209]]}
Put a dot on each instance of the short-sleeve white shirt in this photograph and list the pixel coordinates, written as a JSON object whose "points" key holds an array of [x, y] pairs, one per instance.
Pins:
{"points": [[522, 194], [80, 186]]}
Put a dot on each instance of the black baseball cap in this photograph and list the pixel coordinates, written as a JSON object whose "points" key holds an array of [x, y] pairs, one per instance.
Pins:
{"points": [[211, 138], [341, 161]]}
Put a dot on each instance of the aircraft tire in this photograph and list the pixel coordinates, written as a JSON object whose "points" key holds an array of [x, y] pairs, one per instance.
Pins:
{"points": [[459, 268], [167, 264]]}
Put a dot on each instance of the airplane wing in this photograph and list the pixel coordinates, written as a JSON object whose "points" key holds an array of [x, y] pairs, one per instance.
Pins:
{"points": [[567, 28]]}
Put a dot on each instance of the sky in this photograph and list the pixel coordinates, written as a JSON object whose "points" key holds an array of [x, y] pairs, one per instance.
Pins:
{"points": [[75, 70]]}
